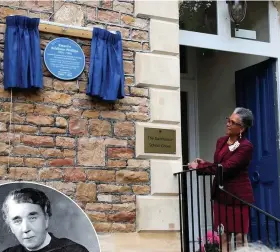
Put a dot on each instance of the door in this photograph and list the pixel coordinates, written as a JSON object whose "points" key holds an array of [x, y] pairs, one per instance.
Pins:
{"points": [[256, 90]]}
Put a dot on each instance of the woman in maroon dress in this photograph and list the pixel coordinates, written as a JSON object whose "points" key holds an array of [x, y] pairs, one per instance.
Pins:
{"points": [[234, 153]]}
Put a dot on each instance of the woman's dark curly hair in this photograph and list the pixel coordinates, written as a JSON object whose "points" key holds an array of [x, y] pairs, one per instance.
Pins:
{"points": [[27, 195]]}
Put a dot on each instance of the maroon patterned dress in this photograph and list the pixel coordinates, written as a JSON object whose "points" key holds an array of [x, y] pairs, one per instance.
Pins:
{"points": [[230, 218]]}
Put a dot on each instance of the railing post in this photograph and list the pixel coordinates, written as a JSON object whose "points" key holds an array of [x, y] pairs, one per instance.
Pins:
{"points": [[180, 211], [220, 176], [185, 214]]}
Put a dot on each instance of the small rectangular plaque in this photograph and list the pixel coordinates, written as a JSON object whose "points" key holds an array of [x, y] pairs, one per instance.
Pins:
{"points": [[160, 141]]}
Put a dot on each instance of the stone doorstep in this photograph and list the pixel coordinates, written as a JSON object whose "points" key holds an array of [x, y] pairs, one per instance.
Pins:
{"points": [[139, 242]]}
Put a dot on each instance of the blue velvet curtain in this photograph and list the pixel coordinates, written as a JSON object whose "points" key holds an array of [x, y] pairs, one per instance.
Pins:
{"points": [[22, 53], [106, 73]]}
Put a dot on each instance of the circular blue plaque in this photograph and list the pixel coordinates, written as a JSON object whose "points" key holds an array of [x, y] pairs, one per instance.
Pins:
{"points": [[64, 58]]}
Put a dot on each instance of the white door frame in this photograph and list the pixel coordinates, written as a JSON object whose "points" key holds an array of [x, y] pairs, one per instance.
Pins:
{"points": [[224, 42]]}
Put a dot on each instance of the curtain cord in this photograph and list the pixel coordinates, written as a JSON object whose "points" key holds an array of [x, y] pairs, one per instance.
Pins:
{"points": [[10, 135]]}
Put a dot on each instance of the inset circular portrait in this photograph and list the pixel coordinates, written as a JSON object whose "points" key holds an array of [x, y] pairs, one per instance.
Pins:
{"points": [[36, 217]]}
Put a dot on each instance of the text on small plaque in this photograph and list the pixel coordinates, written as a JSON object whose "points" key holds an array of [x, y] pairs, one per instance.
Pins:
{"points": [[160, 141]]}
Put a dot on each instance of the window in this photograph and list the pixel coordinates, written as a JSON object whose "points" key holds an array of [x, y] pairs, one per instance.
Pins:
{"points": [[198, 16]]}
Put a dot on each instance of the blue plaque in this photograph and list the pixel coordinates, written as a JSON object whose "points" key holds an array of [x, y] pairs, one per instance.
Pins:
{"points": [[64, 58]]}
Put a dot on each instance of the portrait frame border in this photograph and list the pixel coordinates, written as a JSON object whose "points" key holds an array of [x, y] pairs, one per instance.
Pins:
{"points": [[52, 188]]}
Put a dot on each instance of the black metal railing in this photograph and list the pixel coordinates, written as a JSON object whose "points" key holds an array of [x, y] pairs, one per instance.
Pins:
{"points": [[197, 218]]}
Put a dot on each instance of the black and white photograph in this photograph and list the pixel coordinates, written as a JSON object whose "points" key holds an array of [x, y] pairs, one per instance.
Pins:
{"points": [[35, 217]]}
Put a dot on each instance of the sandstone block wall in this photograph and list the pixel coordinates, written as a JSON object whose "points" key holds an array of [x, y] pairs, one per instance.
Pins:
{"points": [[65, 139]]}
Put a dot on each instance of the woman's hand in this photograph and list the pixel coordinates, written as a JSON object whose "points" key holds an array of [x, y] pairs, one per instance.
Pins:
{"points": [[193, 165]]}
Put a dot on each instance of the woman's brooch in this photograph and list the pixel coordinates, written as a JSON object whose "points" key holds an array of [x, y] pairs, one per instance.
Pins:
{"points": [[234, 146]]}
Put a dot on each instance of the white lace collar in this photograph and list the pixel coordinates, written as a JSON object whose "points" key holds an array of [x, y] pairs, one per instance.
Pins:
{"points": [[234, 146]]}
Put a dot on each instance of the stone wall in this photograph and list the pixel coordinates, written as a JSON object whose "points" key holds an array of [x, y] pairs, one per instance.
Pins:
{"points": [[67, 140]]}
